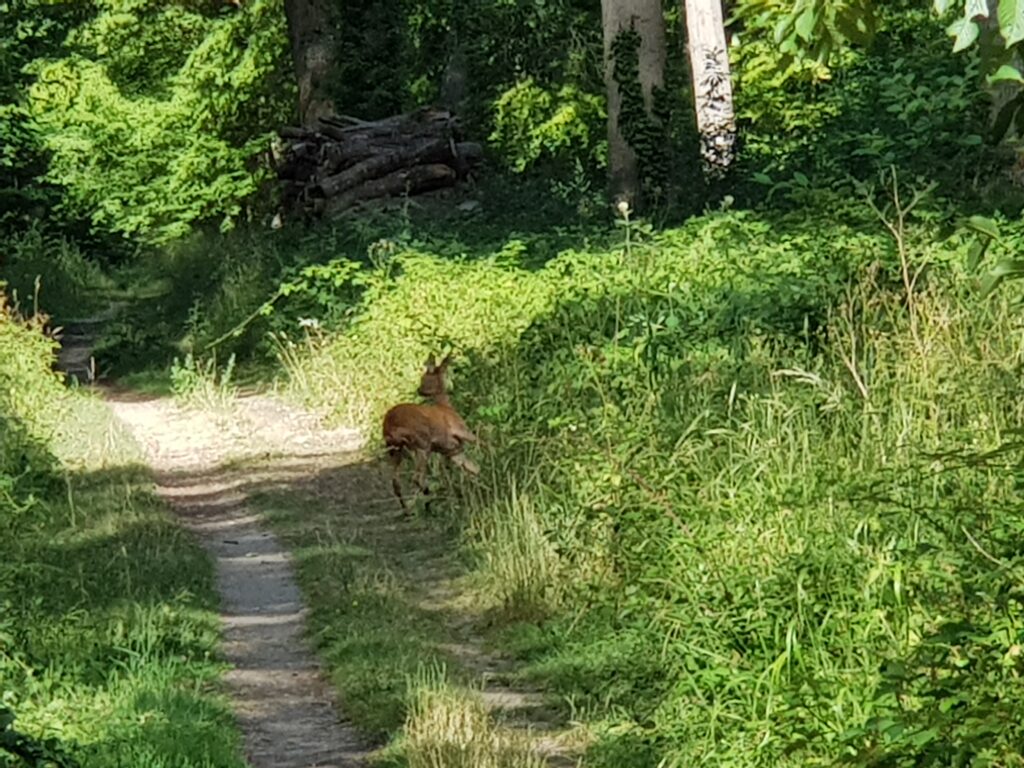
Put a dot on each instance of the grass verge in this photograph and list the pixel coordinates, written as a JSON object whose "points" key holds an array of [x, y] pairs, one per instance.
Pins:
{"points": [[378, 589], [109, 630]]}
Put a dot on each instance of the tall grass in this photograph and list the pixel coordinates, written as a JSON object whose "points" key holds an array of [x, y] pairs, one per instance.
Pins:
{"points": [[108, 628], [768, 501], [519, 569], [449, 727], [51, 274]]}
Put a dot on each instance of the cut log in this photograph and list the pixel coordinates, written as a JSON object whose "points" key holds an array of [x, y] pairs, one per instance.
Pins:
{"points": [[410, 122], [407, 181], [435, 151], [294, 132], [343, 160]]}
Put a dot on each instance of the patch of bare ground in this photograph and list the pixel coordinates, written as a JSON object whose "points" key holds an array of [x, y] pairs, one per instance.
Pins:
{"points": [[208, 466]]}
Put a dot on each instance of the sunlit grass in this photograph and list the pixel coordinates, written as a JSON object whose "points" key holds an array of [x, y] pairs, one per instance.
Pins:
{"points": [[109, 626], [743, 499]]}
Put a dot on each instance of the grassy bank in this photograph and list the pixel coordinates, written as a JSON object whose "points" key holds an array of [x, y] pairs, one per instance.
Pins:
{"points": [[745, 499], [108, 628]]}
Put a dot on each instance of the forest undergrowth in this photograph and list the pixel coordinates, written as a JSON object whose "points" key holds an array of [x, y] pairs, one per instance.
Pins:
{"points": [[750, 463]]}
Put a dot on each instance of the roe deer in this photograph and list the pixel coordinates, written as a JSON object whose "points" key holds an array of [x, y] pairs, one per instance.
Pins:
{"points": [[420, 430]]}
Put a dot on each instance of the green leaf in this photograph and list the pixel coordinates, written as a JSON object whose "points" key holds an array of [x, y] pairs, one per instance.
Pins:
{"points": [[924, 737], [783, 28], [1009, 268], [940, 6], [984, 225], [976, 9], [1004, 118], [965, 31], [1007, 72], [1011, 20], [975, 253], [857, 25], [989, 284], [806, 22]]}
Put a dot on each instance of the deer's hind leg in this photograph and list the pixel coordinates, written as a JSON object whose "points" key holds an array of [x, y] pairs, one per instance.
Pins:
{"points": [[395, 455], [422, 459]]}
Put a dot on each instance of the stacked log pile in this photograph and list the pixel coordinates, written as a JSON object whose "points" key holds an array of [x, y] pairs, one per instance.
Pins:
{"points": [[346, 161]]}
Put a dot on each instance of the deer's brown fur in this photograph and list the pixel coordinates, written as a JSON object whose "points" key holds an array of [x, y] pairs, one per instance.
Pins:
{"points": [[422, 429]]}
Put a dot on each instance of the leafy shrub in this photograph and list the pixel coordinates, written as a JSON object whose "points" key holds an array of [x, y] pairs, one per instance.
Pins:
{"points": [[30, 395], [905, 100], [152, 120], [70, 284], [531, 123]]}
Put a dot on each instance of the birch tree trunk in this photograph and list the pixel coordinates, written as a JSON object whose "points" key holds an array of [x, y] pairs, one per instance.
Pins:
{"points": [[313, 44], [712, 84], [646, 19]]}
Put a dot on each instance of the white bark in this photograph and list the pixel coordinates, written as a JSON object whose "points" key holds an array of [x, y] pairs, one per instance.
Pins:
{"points": [[712, 84]]}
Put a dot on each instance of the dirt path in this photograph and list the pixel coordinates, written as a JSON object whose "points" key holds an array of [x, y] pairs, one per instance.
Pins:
{"points": [[207, 467], [286, 711]]}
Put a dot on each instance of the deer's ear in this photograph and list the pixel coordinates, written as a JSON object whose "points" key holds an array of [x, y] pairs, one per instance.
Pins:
{"points": [[444, 363], [430, 365]]}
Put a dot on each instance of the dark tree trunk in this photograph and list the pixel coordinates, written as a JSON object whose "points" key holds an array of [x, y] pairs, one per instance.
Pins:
{"points": [[313, 43]]}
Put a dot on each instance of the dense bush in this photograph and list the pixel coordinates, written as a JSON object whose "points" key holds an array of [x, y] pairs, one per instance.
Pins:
{"points": [[153, 113], [905, 100], [29, 391]]}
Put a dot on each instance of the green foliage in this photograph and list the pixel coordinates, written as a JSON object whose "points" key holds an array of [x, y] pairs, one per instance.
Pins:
{"points": [[905, 102], [183, 302], [33, 752], [812, 28], [986, 233], [30, 393], [69, 283], [533, 75], [533, 124], [153, 114], [418, 304], [818, 29], [29, 29]]}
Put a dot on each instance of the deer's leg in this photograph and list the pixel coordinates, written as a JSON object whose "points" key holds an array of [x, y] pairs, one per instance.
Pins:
{"points": [[395, 456], [422, 462]]}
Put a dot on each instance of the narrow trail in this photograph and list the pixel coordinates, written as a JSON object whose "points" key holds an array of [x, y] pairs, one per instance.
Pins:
{"points": [[207, 466], [286, 711]]}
